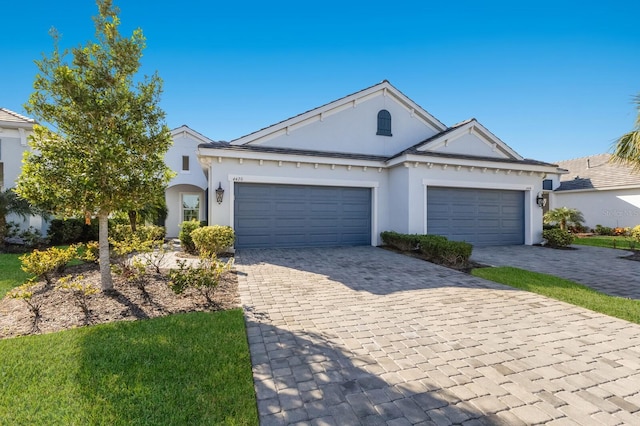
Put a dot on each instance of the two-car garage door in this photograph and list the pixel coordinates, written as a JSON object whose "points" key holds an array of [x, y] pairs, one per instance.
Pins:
{"points": [[274, 215], [483, 217]]}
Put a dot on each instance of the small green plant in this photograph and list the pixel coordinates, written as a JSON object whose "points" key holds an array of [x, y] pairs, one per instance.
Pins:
{"points": [[80, 290], [210, 241], [635, 233], [557, 237], [186, 228], [25, 293], [204, 277], [44, 264], [564, 216]]}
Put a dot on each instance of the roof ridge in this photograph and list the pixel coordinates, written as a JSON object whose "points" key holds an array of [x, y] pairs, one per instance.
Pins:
{"points": [[15, 114], [584, 157]]}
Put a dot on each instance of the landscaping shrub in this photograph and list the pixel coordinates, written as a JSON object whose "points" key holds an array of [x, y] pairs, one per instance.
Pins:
{"points": [[603, 230], [449, 253], [435, 248], [70, 231], [133, 269], [43, 264], [185, 235], [623, 232], [122, 232], [557, 237], [635, 233], [403, 242], [203, 277], [210, 241]]}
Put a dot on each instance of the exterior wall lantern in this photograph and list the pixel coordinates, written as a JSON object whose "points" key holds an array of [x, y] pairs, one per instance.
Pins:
{"points": [[219, 193], [540, 200]]}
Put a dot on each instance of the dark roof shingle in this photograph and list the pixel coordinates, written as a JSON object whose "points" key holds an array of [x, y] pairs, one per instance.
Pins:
{"points": [[596, 171]]}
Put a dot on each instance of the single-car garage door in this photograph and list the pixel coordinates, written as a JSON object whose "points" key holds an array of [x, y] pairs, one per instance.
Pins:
{"points": [[483, 217], [269, 215]]}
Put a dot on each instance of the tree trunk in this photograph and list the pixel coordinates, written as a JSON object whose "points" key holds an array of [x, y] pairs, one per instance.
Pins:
{"points": [[106, 282], [133, 218]]}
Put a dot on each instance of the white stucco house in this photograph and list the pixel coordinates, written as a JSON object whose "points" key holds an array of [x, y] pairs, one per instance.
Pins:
{"points": [[14, 132], [606, 193], [371, 161]]}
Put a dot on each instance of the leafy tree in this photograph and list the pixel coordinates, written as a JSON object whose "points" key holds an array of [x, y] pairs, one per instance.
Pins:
{"points": [[11, 203], [627, 148], [107, 151], [563, 216]]}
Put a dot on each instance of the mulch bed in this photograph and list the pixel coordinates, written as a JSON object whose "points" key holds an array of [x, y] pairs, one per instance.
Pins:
{"points": [[125, 303]]}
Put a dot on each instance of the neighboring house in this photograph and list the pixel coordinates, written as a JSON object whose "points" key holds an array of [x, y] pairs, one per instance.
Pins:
{"points": [[372, 161], [606, 193], [14, 131]]}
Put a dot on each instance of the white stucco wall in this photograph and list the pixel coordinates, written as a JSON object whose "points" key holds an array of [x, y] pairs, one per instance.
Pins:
{"points": [[185, 145], [11, 151], [612, 208], [353, 130], [399, 193]]}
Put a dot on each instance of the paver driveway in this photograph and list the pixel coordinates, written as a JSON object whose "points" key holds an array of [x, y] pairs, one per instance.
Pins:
{"points": [[366, 336], [602, 269]]}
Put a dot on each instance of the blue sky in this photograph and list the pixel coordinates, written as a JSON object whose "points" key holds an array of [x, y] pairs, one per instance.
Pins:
{"points": [[554, 80]]}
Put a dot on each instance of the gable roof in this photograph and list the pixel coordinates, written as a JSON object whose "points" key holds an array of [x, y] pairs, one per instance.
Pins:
{"points": [[184, 129], [14, 119], [335, 106], [469, 125], [596, 172]]}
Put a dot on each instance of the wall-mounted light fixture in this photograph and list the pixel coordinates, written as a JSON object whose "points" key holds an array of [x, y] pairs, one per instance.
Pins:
{"points": [[219, 193], [540, 200]]}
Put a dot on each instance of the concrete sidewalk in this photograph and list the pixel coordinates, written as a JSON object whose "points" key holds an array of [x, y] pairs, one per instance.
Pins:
{"points": [[364, 336], [602, 269]]}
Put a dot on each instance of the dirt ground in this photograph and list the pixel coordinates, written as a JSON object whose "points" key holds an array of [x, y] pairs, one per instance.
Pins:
{"points": [[60, 311]]}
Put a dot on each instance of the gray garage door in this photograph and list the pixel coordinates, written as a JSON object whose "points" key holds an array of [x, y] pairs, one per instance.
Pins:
{"points": [[267, 215], [483, 217]]}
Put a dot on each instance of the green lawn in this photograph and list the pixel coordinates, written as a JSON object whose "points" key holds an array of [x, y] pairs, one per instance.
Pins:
{"points": [[624, 243], [10, 273], [182, 369], [564, 290]]}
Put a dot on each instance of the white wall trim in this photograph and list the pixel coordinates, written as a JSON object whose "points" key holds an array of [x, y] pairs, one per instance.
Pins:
{"points": [[477, 185]]}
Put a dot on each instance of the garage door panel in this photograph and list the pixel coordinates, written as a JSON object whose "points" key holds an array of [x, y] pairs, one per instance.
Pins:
{"points": [[479, 216], [301, 215]]}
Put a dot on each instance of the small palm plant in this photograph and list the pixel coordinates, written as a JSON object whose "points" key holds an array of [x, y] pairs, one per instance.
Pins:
{"points": [[563, 216], [10, 203]]}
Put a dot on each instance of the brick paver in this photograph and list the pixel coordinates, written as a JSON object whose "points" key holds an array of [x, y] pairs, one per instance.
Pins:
{"points": [[602, 269], [366, 336]]}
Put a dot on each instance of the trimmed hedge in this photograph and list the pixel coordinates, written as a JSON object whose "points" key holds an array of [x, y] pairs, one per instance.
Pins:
{"points": [[435, 248], [403, 242]]}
